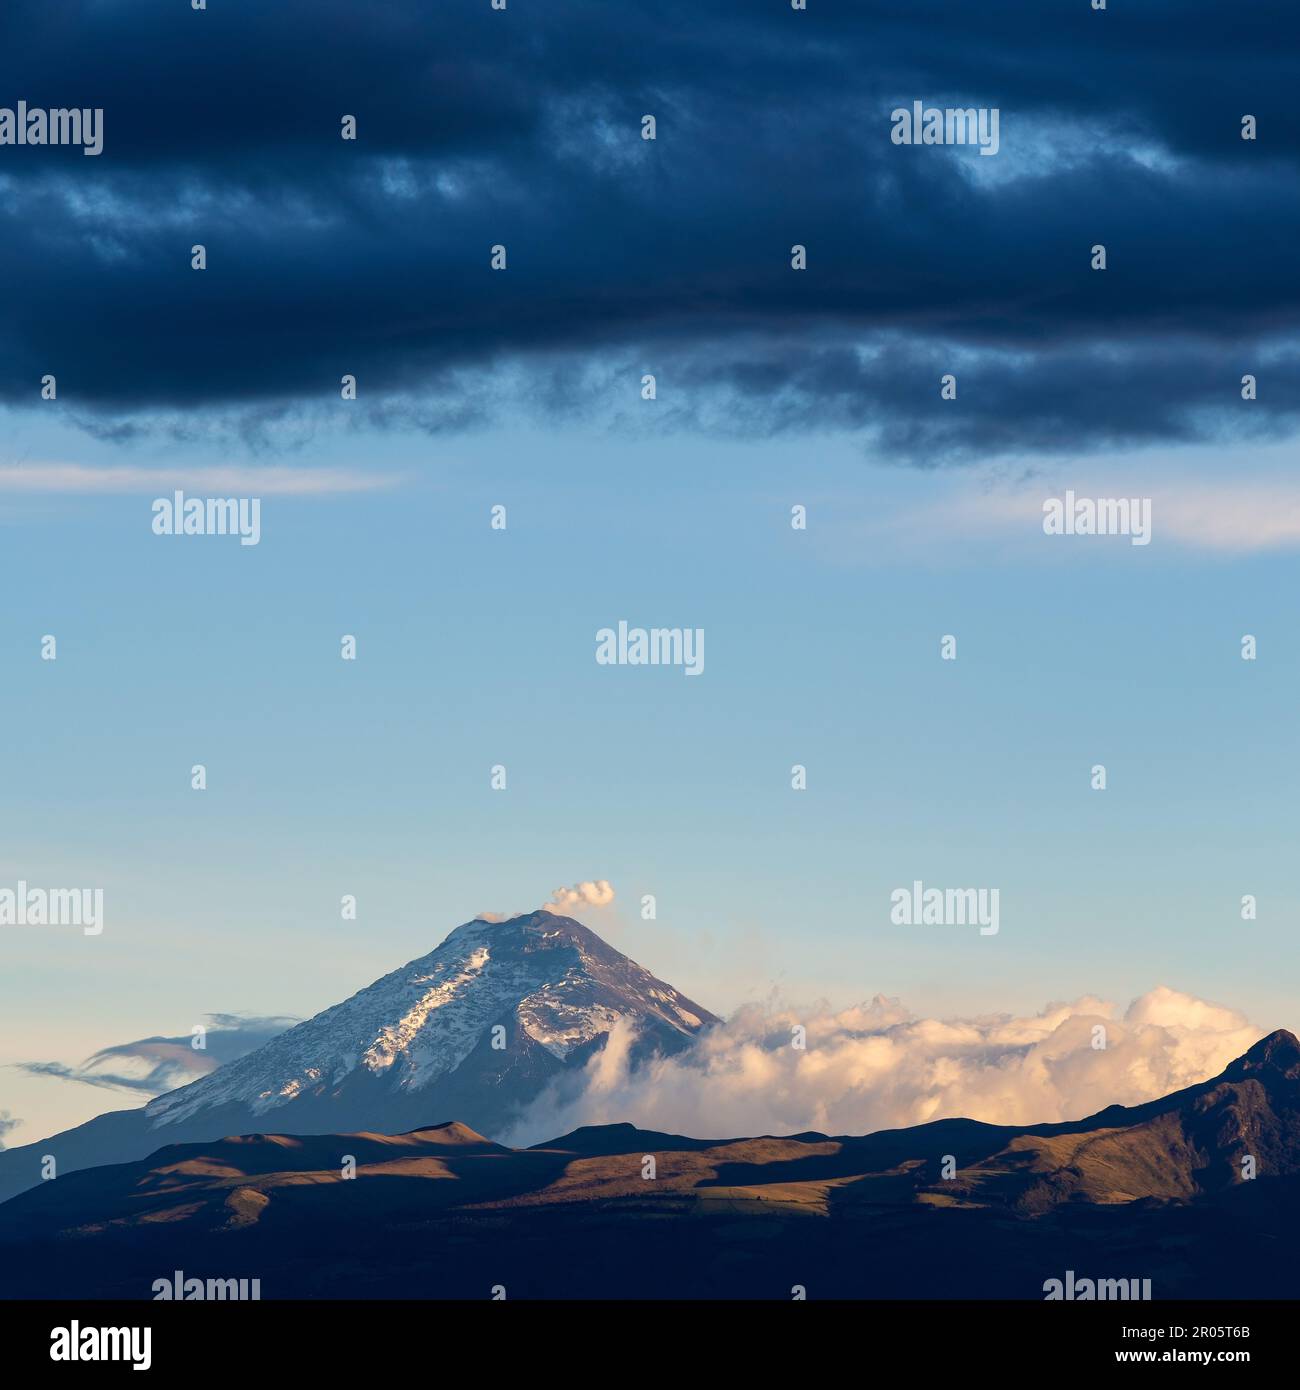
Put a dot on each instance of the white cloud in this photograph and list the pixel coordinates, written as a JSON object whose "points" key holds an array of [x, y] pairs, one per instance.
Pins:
{"points": [[223, 480], [597, 893], [1230, 517], [875, 1066]]}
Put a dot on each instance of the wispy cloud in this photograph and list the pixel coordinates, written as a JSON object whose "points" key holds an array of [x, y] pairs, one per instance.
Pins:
{"points": [[155, 1065], [224, 480], [1227, 502], [1232, 516]]}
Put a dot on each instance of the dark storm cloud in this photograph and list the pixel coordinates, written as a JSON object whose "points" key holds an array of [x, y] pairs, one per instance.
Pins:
{"points": [[523, 127]]}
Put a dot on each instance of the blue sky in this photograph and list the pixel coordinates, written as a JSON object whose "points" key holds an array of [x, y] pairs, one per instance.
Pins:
{"points": [[775, 387], [477, 647]]}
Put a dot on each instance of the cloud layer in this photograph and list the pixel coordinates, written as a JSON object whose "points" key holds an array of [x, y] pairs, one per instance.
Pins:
{"points": [[876, 1066], [479, 127]]}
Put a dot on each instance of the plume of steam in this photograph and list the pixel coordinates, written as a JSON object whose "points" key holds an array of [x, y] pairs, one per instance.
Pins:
{"points": [[597, 893]]}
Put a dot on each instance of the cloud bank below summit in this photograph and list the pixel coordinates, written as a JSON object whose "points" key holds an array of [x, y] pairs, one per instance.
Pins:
{"points": [[876, 1066]]}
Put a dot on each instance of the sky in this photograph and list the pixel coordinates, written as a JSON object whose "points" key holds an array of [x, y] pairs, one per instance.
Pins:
{"points": [[523, 388]]}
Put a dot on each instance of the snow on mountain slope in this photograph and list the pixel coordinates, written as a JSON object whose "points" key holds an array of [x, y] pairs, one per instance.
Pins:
{"points": [[548, 981]]}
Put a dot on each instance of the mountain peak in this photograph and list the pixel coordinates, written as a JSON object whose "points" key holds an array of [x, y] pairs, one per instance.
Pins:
{"points": [[453, 1134], [542, 922], [476, 1027], [1278, 1052], [519, 919]]}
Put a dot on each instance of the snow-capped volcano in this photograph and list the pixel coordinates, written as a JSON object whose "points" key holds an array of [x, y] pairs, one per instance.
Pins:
{"points": [[474, 1031], [496, 1004]]}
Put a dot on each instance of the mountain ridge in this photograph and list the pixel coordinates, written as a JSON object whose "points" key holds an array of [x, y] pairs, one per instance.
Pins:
{"points": [[1162, 1196]]}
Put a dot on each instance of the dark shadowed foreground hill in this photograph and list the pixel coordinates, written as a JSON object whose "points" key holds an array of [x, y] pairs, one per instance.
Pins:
{"points": [[1157, 1191]]}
